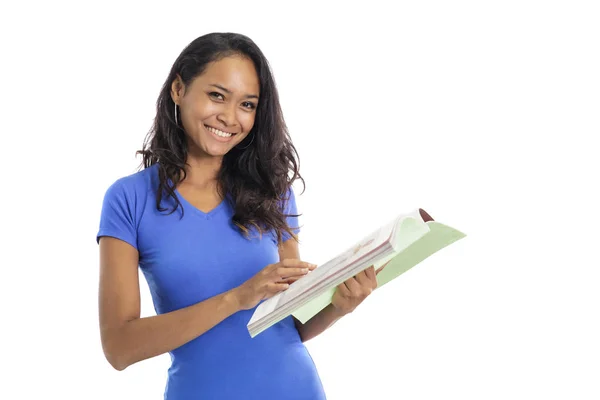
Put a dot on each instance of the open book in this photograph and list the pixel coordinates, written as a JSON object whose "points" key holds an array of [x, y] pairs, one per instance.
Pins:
{"points": [[397, 246]]}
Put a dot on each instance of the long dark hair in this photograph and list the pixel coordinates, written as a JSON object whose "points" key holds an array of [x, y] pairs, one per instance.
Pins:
{"points": [[256, 176]]}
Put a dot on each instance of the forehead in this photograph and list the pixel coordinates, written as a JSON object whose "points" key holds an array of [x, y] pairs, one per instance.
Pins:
{"points": [[235, 73]]}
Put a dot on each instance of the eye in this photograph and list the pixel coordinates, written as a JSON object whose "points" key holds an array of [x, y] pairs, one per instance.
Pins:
{"points": [[216, 95], [249, 105]]}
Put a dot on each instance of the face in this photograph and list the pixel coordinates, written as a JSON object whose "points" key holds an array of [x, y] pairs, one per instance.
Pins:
{"points": [[218, 109]]}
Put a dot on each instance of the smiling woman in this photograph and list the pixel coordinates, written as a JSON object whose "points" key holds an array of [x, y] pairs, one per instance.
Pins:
{"points": [[210, 113], [220, 154], [218, 116]]}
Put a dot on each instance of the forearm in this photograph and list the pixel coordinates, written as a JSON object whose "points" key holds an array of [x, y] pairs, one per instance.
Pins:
{"points": [[319, 323], [143, 338]]}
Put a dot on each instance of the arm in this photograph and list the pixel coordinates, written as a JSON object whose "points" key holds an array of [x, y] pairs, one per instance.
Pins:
{"points": [[324, 319], [127, 338], [319, 323]]}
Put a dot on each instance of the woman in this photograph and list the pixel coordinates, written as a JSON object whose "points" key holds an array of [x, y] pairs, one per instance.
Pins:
{"points": [[211, 222]]}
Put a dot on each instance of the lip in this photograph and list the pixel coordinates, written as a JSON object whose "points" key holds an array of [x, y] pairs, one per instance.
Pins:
{"points": [[218, 138]]}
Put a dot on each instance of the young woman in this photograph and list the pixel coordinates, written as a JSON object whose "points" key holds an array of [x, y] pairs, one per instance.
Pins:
{"points": [[211, 221]]}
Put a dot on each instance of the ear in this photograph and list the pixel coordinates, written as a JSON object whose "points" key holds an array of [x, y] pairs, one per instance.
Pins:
{"points": [[177, 89]]}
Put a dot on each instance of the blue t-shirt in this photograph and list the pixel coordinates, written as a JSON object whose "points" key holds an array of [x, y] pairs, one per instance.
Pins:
{"points": [[190, 259]]}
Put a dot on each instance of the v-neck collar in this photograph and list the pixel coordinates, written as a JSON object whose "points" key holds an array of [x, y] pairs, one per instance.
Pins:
{"points": [[208, 214]]}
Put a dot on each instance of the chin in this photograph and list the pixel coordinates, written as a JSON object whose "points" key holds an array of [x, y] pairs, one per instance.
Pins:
{"points": [[201, 148], [217, 153], [216, 149]]}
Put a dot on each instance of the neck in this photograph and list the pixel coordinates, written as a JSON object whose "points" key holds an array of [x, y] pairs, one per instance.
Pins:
{"points": [[202, 172]]}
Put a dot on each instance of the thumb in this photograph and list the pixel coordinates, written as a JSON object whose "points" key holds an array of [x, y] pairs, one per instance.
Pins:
{"points": [[381, 268]]}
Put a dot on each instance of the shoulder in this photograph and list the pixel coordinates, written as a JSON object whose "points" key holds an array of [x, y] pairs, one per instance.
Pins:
{"points": [[129, 194], [136, 184], [124, 204]]}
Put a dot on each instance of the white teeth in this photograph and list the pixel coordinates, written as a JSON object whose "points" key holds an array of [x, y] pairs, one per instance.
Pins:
{"points": [[218, 132]]}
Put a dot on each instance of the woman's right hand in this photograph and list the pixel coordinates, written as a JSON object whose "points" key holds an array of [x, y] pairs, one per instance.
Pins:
{"points": [[272, 279]]}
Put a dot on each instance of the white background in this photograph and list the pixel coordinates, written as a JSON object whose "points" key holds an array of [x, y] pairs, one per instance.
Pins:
{"points": [[486, 114]]}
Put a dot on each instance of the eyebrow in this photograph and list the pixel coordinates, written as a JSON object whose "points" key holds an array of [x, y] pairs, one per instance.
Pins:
{"points": [[248, 96]]}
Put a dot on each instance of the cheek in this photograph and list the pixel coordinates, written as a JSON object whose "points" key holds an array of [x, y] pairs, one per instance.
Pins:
{"points": [[247, 121], [205, 111], [192, 117], [199, 109]]}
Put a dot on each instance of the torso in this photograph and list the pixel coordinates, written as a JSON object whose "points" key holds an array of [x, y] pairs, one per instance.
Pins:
{"points": [[187, 260]]}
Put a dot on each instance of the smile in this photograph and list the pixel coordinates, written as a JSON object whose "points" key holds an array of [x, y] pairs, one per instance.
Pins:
{"points": [[218, 132]]}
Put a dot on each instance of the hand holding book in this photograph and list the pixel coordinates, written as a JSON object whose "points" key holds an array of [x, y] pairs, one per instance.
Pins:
{"points": [[272, 279], [398, 246], [349, 294]]}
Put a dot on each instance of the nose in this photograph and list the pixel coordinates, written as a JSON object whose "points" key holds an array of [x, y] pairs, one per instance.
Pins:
{"points": [[227, 115]]}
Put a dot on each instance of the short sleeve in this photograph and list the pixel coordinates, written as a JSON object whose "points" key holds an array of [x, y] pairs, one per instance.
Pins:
{"points": [[117, 218], [290, 211]]}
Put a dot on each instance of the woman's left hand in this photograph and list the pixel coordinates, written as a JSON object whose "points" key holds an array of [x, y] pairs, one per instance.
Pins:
{"points": [[352, 292]]}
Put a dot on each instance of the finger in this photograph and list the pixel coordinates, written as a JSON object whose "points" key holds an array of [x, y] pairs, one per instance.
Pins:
{"points": [[295, 263], [381, 268], [372, 276], [343, 289], [285, 273], [362, 278], [353, 287], [273, 287], [365, 284]]}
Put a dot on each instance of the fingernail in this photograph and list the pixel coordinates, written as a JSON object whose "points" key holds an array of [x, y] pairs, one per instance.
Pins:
{"points": [[305, 270]]}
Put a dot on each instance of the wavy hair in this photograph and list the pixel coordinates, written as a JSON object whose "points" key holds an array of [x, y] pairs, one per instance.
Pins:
{"points": [[255, 177]]}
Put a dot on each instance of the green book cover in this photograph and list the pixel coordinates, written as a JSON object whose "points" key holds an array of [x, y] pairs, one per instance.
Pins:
{"points": [[417, 239]]}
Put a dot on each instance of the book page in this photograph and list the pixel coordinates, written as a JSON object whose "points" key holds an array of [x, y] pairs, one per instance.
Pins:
{"points": [[264, 308], [350, 256], [311, 292], [321, 273]]}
